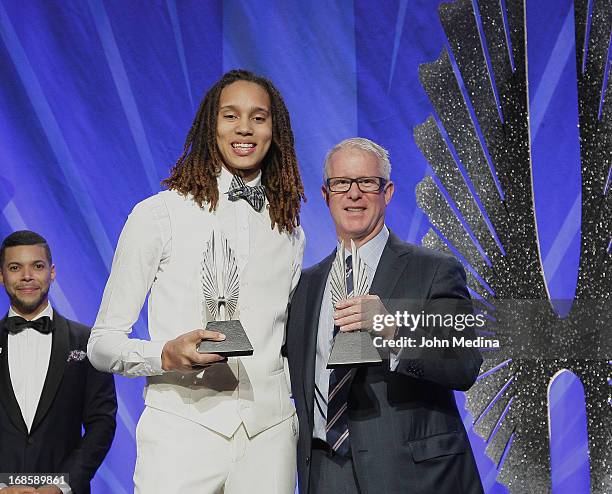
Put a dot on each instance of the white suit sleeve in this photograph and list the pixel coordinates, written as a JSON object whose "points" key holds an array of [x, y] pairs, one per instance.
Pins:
{"points": [[143, 246]]}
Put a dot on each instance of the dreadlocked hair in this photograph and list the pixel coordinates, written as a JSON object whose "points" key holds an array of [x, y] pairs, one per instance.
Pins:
{"points": [[196, 171]]}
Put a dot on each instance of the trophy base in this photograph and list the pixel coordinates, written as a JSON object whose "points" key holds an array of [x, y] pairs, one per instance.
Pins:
{"points": [[236, 343], [353, 348]]}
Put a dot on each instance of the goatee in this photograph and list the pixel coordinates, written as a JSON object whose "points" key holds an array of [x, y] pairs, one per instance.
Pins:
{"points": [[24, 307]]}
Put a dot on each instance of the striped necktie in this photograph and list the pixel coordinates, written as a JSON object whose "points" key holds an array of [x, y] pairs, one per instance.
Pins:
{"points": [[339, 380]]}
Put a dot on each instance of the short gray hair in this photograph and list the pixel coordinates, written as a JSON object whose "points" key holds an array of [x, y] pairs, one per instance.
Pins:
{"points": [[362, 144]]}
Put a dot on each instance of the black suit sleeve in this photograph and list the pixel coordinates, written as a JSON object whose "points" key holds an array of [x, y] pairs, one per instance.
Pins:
{"points": [[456, 368], [99, 411], [295, 335]]}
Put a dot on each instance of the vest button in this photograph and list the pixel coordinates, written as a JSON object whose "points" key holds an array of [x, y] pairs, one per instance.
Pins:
{"points": [[30, 440]]}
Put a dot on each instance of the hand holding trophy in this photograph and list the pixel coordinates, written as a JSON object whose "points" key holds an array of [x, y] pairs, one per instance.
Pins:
{"points": [[349, 279], [221, 287]]}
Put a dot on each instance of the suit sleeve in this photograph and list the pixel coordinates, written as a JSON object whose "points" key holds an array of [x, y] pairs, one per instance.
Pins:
{"points": [[99, 411], [299, 243], [455, 368]]}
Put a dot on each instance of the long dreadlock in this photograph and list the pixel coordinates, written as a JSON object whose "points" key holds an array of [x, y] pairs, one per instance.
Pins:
{"points": [[197, 169]]}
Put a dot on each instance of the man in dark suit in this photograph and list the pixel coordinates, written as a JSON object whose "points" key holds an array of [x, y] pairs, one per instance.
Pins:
{"points": [[48, 389], [395, 427]]}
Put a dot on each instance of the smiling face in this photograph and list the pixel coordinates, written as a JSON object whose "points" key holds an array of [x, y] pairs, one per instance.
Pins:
{"points": [[26, 274], [244, 127], [357, 215]]}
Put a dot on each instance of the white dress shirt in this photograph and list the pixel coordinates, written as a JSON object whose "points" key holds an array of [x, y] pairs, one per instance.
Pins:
{"points": [[25, 348], [29, 352], [160, 253], [370, 253]]}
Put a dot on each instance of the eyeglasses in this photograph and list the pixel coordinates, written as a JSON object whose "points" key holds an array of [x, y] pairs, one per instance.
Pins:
{"points": [[365, 184]]}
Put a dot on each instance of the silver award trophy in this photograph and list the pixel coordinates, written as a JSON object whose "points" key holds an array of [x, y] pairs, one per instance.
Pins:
{"points": [[354, 347], [221, 287]]}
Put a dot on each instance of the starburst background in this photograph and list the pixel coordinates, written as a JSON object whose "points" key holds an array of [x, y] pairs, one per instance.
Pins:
{"points": [[97, 96]]}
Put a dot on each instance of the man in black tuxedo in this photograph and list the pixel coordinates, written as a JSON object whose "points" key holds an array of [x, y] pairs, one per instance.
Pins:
{"points": [[48, 389], [395, 427]]}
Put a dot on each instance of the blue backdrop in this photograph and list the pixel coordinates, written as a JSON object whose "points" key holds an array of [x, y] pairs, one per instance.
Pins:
{"points": [[97, 96]]}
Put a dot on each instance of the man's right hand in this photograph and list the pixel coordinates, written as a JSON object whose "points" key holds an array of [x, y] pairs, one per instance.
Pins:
{"points": [[18, 489], [180, 354]]}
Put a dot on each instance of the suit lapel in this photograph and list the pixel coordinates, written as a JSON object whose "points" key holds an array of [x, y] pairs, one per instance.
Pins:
{"points": [[316, 290], [392, 264], [7, 394], [57, 363]]}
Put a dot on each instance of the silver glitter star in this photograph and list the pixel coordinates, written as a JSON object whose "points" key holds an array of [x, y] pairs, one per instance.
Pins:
{"points": [[485, 210]]}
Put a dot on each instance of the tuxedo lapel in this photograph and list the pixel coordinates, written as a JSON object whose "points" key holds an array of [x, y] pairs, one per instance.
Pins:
{"points": [[57, 364], [314, 298], [7, 394]]}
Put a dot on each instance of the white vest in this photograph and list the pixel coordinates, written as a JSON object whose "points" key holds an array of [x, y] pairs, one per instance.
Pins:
{"points": [[253, 390]]}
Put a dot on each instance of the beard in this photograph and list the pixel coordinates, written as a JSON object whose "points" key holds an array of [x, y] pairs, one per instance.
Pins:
{"points": [[27, 307]]}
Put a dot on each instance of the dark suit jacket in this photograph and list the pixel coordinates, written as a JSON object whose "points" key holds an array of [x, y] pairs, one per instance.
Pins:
{"points": [[74, 395], [405, 430]]}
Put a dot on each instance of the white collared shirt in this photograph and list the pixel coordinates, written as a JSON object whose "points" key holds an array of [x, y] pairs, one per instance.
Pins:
{"points": [[370, 253], [28, 358]]}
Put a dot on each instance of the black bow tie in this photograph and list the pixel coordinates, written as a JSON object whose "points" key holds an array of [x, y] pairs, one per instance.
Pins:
{"points": [[17, 324], [255, 196]]}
